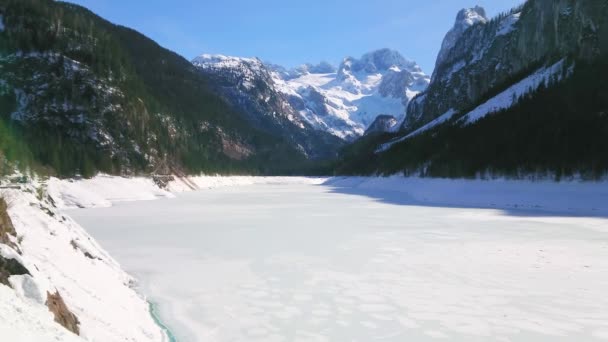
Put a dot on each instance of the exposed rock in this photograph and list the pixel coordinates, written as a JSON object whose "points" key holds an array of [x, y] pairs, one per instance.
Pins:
{"points": [[6, 226], [162, 181], [466, 18], [382, 124], [62, 314], [10, 267]]}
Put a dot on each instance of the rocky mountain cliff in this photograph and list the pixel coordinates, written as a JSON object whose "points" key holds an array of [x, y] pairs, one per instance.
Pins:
{"points": [[479, 56]]}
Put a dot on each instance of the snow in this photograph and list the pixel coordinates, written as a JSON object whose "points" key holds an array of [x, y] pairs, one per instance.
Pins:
{"points": [[221, 61], [102, 191], [438, 121], [369, 258], [352, 104], [212, 182], [505, 99], [454, 69], [2, 27], [23, 320], [568, 198], [94, 286], [508, 24]]}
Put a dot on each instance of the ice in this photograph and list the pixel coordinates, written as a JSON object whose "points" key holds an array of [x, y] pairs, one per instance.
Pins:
{"points": [[369, 258]]}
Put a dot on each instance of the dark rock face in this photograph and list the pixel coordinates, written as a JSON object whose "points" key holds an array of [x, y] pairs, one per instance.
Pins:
{"points": [[488, 54], [6, 225], [62, 314], [382, 124], [10, 267]]}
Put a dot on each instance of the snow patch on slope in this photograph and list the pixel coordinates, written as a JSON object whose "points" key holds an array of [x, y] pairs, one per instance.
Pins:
{"points": [[438, 121], [508, 24], [506, 99]]}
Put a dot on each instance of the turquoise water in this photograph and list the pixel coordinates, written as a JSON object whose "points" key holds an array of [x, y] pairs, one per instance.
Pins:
{"points": [[159, 322]]}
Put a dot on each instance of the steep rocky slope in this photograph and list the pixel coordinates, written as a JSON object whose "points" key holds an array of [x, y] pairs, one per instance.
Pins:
{"points": [[480, 56]]}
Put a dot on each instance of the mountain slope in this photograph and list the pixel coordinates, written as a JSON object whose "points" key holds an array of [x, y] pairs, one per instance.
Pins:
{"points": [[80, 95], [247, 85]]}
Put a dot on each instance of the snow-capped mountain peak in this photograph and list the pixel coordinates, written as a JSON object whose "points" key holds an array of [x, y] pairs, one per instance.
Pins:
{"points": [[222, 61], [343, 101], [466, 18]]}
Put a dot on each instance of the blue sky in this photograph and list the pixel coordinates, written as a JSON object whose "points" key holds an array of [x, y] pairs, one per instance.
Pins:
{"points": [[292, 32]]}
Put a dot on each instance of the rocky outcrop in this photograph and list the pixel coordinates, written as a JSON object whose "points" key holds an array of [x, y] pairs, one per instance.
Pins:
{"points": [[61, 312], [7, 230], [466, 18], [10, 267], [488, 54], [382, 124]]}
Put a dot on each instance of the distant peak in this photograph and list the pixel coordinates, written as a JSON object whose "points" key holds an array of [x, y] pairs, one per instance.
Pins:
{"points": [[217, 60], [466, 18], [379, 61], [471, 16], [321, 68]]}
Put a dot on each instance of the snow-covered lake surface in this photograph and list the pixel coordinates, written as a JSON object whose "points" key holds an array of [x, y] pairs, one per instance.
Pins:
{"points": [[310, 262]]}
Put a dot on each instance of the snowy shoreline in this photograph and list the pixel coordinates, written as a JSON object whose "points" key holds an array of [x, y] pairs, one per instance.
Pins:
{"points": [[574, 197]]}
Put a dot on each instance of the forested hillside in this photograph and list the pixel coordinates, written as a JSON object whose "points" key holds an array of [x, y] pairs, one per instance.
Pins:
{"points": [[79, 95]]}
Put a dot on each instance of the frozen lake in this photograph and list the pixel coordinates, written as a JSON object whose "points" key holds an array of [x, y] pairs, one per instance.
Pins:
{"points": [[312, 263]]}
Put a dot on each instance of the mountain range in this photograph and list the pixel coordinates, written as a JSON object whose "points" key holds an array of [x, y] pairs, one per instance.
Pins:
{"points": [[342, 101], [80, 95]]}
